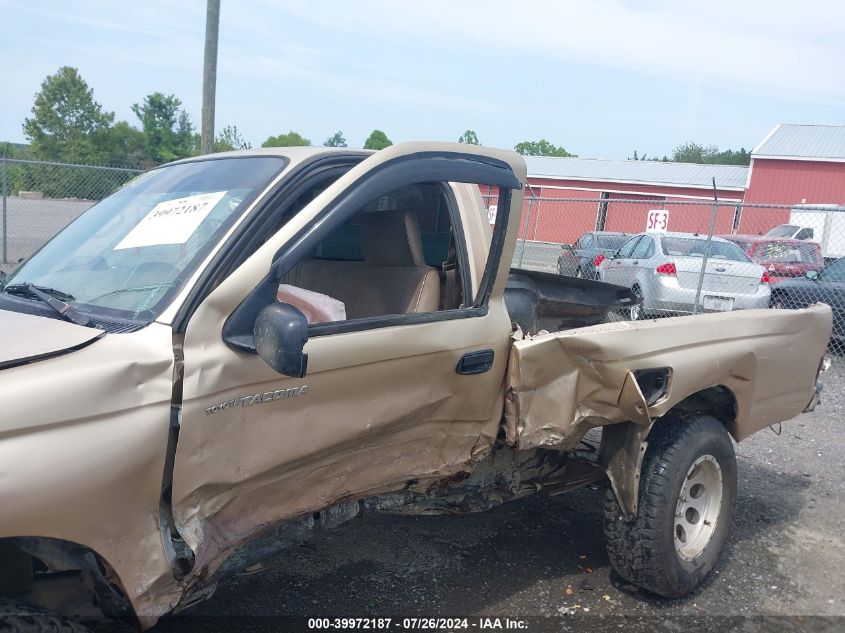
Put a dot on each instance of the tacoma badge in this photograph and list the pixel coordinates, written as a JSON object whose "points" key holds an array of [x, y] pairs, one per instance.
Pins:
{"points": [[258, 398]]}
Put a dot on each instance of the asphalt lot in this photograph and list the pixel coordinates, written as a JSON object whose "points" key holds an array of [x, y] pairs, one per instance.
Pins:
{"points": [[30, 223], [544, 556], [540, 256]]}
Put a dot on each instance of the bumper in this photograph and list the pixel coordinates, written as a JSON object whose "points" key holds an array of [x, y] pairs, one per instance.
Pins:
{"points": [[664, 295]]}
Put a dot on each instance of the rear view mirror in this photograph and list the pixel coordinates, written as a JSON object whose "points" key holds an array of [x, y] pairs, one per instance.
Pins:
{"points": [[280, 332]]}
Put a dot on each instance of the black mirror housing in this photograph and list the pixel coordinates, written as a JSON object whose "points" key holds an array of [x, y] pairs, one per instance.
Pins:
{"points": [[281, 331]]}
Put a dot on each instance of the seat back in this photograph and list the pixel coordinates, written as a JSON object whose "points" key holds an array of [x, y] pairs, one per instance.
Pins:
{"points": [[392, 279]]}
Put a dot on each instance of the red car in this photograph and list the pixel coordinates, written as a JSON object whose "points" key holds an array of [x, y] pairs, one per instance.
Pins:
{"points": [[782, 257]]}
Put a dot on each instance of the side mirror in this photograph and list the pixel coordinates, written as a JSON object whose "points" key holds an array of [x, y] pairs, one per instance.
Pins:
{"points": [[280, 332], [610, 254], [566, 247], [812, 274]]}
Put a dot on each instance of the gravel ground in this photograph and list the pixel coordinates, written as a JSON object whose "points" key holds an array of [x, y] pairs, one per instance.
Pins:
{"points": [[544, 556]]}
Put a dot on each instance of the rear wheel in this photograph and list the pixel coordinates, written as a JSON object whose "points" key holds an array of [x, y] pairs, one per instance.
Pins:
{"points": [[686, 503], [19, 617]]}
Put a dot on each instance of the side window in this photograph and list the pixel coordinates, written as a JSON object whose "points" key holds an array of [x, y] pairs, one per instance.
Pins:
{"points": [[400, 253], [805, 234], [644, 249], [834, 271], [586, 242], [389, 249], [628, 248]]}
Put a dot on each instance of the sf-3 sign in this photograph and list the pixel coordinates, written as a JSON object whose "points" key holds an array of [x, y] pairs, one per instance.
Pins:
{"points": [[657, 221]]}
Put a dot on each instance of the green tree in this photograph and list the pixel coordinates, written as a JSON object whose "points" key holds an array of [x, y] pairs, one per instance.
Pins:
{"points": [[66, 121], [469, 137], [694, 153], [229, 139], [335, 140], [709, 154], [122, 144], [168, 130], [291, 139], [731, 157], [540, 148], [377, 140]]}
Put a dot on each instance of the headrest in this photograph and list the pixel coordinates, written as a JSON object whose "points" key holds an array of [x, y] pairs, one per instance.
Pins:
{"points": [[391, 238]]}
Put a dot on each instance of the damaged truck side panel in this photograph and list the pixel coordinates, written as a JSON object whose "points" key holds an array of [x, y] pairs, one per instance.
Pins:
{"points": [[93, 475], [383, 408], [562, 384]]}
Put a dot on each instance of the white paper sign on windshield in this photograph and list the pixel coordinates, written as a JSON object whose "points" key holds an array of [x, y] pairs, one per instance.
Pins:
{"points": [[171, 221]]}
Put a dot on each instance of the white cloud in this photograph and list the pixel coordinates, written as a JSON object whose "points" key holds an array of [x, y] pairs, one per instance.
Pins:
{"points": [[774, 46]]}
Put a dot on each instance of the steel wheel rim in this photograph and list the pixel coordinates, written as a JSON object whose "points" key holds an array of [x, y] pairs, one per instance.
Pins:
{"points": [[698, 507]]}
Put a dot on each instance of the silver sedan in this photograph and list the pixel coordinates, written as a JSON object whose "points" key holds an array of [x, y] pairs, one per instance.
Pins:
{"points": [[664, 269]]}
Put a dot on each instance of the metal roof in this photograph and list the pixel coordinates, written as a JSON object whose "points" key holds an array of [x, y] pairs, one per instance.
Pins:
{"points": [[789, 140], [645, 172]]}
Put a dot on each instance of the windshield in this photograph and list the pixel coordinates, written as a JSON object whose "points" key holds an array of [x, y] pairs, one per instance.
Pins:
{"points": [[691, 247], [611, 241], [783, 230], [743, 244], [127, 255]]}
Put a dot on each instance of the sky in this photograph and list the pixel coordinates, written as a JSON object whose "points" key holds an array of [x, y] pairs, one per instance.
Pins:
{"points": [[601, 78]]}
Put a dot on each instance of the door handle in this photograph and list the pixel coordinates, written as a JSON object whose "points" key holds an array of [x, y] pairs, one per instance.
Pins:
{"points": [[475, 362]]}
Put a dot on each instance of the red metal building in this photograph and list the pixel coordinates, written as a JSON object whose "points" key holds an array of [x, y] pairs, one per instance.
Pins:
{"points": [[794, 164]]}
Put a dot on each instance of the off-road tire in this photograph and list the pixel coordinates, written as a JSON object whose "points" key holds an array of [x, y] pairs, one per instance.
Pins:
{"points": [[19, 617], [643, 550]]}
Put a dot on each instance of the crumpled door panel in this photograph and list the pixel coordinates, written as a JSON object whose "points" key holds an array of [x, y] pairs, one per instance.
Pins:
{"points": [[563, 383]]}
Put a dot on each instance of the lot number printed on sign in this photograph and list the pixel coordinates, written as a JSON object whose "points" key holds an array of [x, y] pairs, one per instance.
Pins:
{"points": [[171, 221], [657, 221]]}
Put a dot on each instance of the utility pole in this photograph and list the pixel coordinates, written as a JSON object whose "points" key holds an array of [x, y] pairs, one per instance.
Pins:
{"points": [[209, 74]]}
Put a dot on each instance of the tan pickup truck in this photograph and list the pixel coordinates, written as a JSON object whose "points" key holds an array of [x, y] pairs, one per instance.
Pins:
{"points": [[236, 350]]}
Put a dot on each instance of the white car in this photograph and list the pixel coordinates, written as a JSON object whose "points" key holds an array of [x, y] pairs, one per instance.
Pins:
{"points": [[664, 269]]}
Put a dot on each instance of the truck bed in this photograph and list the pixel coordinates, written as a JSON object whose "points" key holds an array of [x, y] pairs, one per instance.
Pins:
{"points": [[546, 301]]}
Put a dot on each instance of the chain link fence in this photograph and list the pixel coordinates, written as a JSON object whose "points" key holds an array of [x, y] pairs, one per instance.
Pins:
{"points": [[692, 256], [40, 198]]}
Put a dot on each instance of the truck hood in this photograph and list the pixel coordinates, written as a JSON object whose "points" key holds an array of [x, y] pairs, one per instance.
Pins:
{"points": [[26, 338]]}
